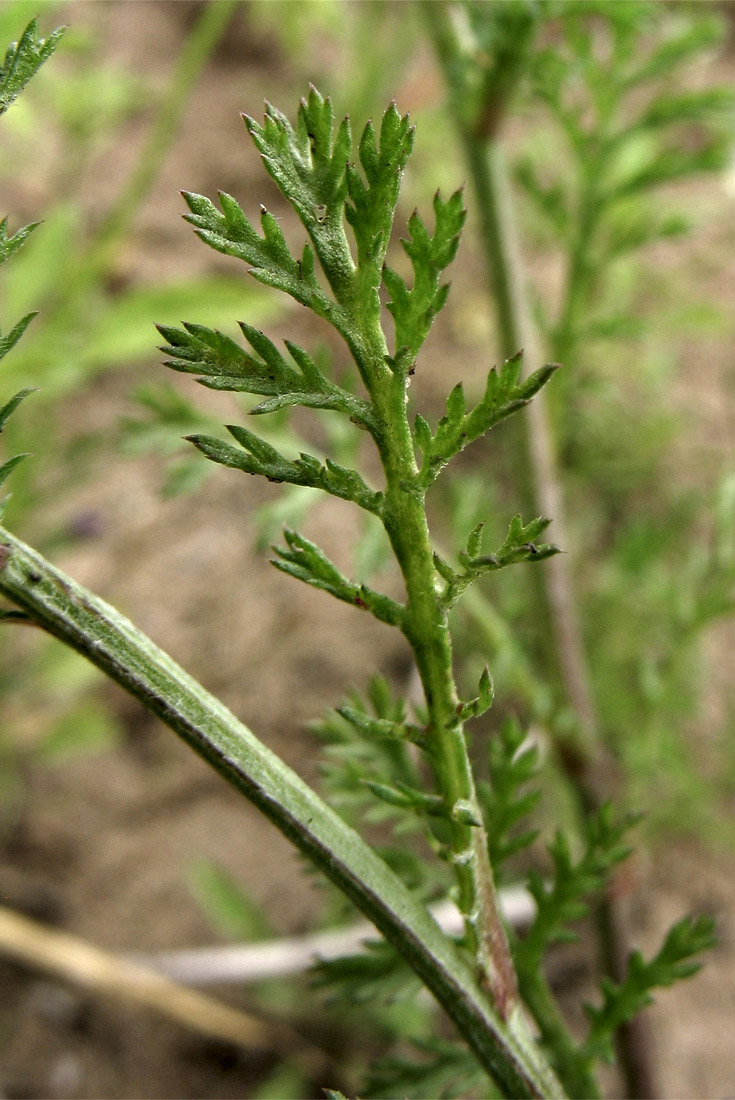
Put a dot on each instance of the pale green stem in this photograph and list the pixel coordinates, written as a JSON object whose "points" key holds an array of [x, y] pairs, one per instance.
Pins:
{"points": [[504, 262], [590, 770], [427, 630], [484, 153], [576, 1073], [504, 1048]]}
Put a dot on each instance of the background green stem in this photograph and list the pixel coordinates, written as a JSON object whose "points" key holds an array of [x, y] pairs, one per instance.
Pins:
{"points": [[588, 764]]}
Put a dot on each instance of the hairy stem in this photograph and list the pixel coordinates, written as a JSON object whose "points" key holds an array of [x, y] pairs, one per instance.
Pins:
{"points": [[81, 620], [427, 630]]}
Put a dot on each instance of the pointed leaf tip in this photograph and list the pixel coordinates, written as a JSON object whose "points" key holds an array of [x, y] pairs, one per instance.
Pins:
{"points": [[10, 406]]}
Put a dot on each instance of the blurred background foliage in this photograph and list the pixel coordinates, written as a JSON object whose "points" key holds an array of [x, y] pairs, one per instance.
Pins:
{"points": [[619, 137], [619, 115]]}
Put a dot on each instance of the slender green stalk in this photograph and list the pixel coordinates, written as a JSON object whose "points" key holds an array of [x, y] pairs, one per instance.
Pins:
{"points": [[578, 274], [590, 770], [502, 251], [426, 627], [505, 1048], [578, 1077]]}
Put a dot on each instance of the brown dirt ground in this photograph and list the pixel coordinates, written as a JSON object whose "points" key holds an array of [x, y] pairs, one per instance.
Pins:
{"points": [[100, 844]]}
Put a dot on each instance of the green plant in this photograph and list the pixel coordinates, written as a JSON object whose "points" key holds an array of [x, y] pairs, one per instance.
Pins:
{"points": [[421, 770], [613, 119], [88, 319], [22, 61], [611, 84]]}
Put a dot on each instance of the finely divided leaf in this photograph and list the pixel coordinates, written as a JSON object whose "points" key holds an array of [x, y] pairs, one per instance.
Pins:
{"points": [[632, 128], [442, 1069], [369, 736], [483, 701], [309, 164], [521, 545], [700, 34], [621, 1002], [7, 411], [504, 395], [224, 365], [698, 105], [549, 198], [255, 456], [406, 797], [565, 900], [7, 467], [11, 339], [377, 973], [9, 245], [506, 800], [370, 726], [414, 310], [672, 163], [231, 233], [22, 61], [304, 560], [9, 407], [372, 204]]}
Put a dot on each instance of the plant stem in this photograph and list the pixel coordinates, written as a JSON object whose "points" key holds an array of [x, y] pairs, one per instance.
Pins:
{"points": [[426, 628], [504, 1048], [517, 330], [587, 763], [592, 770], [578, 1078]]}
